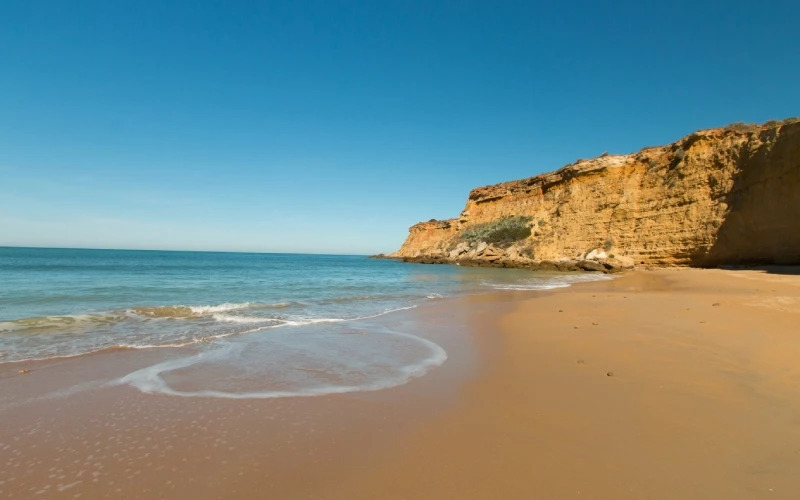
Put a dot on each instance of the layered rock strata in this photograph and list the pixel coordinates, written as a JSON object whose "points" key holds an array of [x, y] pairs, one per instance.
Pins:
{"points": [[720, 196]]}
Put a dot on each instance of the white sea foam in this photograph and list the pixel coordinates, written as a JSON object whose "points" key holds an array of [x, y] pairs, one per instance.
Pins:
{"points": [[563, 281], [310, 321], [246, 320], [150, 380], [313, 321], [156, 342], [180, 311], [296, 321], [388, 311], [218, 308], [532, 286]]}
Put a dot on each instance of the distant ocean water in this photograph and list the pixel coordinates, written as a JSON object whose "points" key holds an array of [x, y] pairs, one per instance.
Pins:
{"points": [[265, 311]]}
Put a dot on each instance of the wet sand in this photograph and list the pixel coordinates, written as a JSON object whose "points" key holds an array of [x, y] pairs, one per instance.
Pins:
{"points": [[659, 384]]}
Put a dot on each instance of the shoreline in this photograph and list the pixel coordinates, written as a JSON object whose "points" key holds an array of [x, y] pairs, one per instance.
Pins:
{"points": [[660, 384], [604, 265], [128, 443], [699, 403]]}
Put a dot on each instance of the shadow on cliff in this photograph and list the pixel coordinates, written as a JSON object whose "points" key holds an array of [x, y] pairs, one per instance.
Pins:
{"points": [[762, 224]]}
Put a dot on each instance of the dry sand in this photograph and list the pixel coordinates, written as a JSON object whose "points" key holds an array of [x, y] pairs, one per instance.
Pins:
{"points": [[659, 384]]}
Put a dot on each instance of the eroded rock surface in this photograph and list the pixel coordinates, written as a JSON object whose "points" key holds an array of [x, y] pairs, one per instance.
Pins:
{"points": [[721, 196]]}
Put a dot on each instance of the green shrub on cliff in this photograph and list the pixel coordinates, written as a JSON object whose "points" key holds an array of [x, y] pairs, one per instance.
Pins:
{"points": [[742, 127], [502, 232]]}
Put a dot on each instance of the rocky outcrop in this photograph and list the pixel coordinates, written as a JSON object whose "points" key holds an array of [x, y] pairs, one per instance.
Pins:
{"points": [[720, 196]]}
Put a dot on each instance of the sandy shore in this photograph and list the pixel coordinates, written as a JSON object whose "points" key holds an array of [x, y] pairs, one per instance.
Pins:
{"points": [[662, 384]]}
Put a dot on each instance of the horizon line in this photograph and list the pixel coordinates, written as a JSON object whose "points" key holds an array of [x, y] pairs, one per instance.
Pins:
{"points": [[177, 250]]}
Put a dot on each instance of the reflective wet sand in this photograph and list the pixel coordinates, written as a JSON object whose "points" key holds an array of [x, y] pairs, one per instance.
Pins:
{"points": [[667, 384]]}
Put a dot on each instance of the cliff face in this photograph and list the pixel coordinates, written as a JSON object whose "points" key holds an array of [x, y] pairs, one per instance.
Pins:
{"points": [[721, 196]]}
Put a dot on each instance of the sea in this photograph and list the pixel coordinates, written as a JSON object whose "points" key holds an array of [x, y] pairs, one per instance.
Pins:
{"points": [[307, 324]]}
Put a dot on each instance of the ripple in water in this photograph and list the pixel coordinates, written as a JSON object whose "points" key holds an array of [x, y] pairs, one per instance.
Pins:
{"points": [[261, 325]]}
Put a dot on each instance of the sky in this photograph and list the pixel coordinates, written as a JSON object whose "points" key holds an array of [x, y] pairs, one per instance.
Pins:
{"points": [[332, 126]]}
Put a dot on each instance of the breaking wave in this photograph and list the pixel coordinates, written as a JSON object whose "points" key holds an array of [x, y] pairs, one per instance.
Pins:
{"points": [[45, 324]]}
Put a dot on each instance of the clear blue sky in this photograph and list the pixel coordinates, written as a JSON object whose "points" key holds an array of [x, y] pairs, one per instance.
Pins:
{"points": [[333, 126]]}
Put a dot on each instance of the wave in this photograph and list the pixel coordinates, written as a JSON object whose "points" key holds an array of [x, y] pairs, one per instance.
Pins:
{"points": [[298, 321], [312, 321], [44, 324], [184, 311], [246, 320], [258, 322], [220, 308], [124, 347], [549, 283], [71, 322], [165, 311], [532, 286], [113, 348]]}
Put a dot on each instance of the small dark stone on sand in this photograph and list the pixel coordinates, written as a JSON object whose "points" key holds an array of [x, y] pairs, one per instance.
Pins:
{"points": [[610, 374], [561, 310], [715, 304], [580, 361], [595, 324], [575, 327]]}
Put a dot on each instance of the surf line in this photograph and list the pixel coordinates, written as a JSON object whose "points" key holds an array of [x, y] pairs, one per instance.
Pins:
{"points": [[150, 381]]}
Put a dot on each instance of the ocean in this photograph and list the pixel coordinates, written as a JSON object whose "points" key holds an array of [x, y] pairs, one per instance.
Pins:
{"points": [[307, 324]]}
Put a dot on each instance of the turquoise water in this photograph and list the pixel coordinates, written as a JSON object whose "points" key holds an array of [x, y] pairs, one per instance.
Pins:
{"points": [[266, 310]]}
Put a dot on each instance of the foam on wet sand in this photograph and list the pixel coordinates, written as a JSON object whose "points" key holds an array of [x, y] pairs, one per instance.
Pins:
{"points": [[701, 403]]}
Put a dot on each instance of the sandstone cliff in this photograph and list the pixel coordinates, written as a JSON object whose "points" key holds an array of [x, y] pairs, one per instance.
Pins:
{"points": [[720, 196]]}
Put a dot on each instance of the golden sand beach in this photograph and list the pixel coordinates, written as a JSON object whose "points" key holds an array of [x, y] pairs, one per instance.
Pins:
{"points": [[658, 384]]}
